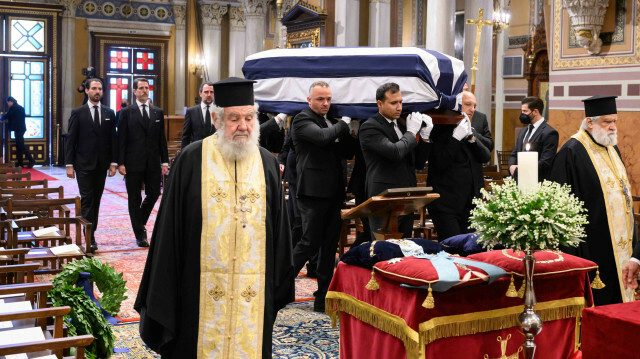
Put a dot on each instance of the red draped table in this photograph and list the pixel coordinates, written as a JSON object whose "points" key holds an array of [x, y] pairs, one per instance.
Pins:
{"points": [[473, 321], [611, 331]]}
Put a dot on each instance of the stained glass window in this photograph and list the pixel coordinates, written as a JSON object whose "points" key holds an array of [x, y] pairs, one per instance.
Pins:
{"points": [[118, 91], [27, 35], [119, 59], [144, 60], [152, 89], [28, 88]]}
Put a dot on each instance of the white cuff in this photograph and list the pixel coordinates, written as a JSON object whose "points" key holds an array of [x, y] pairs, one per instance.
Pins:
{"points": [[165, 165], [114, 164], [69, 165], [635, 260]]}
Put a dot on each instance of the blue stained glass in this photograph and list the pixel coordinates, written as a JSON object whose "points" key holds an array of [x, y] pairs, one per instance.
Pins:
{"points": [[17, 67], [27, 35], [37, 68], [17, 90], [18, 77], [27, 69], [150, 66], [114, 53], [37, 98]]}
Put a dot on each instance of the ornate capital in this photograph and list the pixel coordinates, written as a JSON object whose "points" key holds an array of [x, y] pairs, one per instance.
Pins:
{"points": [[70, 7], [587, 17], [212, 13], [255, 7], [237, 19], [180, 15]]}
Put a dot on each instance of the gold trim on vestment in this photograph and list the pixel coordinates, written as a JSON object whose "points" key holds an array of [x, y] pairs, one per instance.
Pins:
{"points": [[448, 326], [232, 256], [610, 169]]}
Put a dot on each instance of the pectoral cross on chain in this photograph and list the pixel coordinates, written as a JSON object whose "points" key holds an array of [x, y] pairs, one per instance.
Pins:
{"points": [[243, 210]]}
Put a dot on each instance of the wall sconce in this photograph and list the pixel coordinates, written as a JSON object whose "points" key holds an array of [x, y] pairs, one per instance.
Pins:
{"points": [[197, 65], [501, 16]]}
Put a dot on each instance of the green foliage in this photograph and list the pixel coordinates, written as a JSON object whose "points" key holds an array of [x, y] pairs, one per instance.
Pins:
{"points": [[547, 218], [108, 281], [86, 318]]}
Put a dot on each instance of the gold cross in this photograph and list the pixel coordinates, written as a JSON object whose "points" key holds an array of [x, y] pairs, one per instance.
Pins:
{"points": [[479, 23], [503, 349], [243, 210], [248, 294], [623, 243], [611, 183]]}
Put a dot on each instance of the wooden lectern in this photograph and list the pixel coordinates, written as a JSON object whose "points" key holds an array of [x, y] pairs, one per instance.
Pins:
{"points": [[389, 208]]}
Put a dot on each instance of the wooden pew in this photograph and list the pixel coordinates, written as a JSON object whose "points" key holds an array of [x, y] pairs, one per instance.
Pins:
{"points": [[7, 170], [79, 342], [24, 184], [18, 273], [16, 176]]}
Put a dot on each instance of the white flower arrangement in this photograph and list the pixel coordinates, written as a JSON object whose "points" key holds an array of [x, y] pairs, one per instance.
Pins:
{"points": [[546, 218]]}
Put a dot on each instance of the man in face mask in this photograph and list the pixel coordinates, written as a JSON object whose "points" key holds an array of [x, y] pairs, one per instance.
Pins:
{"points": [[538, 136]]}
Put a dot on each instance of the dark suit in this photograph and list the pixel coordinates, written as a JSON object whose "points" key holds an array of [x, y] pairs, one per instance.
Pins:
{"points": [[91, 149], [271, 135], [391, 162], [193, 128], [142, 150], [545, 142], [16, 123], [455, 172], [320, 192]]}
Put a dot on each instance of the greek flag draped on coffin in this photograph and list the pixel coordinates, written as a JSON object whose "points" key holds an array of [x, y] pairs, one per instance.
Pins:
{"points": [[428, 79]]}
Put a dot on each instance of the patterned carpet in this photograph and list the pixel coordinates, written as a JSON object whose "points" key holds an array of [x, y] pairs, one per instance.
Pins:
{"points": [[299, 332]]}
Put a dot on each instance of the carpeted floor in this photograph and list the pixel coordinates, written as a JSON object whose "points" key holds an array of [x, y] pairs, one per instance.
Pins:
{"points": [[299, 332]]}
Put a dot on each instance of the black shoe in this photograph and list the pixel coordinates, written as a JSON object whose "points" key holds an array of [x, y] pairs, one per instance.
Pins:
{"points": [[31, 163], [93, 248], [143, 243], [318, 305], [315, 293], [311, 273]]}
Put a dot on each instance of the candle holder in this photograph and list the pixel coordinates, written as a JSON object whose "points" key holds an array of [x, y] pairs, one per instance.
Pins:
{"points": [[529, 321]]}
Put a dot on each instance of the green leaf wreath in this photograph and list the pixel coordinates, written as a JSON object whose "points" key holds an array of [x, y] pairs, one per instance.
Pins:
{"points": [[108, 281], [547, 218]]}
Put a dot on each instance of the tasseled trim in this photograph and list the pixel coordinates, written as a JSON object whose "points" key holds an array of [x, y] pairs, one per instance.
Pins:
{"points": [[522, 287], [511, 291], [429, 302], [373, 284], [597, 282], [482, 322]]}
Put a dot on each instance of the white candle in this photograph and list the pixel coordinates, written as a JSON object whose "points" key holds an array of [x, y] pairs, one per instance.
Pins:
{"points": [[527, 171]]}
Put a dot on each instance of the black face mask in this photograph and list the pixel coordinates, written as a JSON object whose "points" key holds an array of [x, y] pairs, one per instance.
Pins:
{"points": [[525, 119]]}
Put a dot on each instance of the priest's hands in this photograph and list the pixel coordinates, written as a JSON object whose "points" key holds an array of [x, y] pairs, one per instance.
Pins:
{"points": [[630, 275], [112, 170], [463, 130], [414, 121], [426, 130]]}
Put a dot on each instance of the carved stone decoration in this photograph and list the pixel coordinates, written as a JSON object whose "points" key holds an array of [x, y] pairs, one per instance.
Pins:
{"points": [[237, 19], [255, 7], [70, 7], [180, 15], [287, 5], [587, 17], [212, 14]]}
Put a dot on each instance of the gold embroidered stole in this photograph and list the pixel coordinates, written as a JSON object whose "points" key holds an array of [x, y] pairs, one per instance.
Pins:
{"points": [[613, 181], [232, 259]]}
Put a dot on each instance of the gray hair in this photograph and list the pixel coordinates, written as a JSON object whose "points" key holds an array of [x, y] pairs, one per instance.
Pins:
{"points": [[317, 84], [219, 113], [584, 125]]}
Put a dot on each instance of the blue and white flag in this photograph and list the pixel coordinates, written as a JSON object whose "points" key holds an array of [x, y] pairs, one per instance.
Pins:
{"points": [[428, 79]]}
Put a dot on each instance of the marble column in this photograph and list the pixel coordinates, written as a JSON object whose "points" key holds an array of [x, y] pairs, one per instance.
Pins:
{"points": [[280, 34], [441, 19], [502, 42], [67, 60], [379, 23], [347, 21], [237, 32], [211, 39], [484, 73], [255, 12], [179, 83]]}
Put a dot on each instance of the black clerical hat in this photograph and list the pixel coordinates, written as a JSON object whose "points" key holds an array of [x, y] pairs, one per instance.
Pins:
{"points": [[600, 105], [233, 91]]}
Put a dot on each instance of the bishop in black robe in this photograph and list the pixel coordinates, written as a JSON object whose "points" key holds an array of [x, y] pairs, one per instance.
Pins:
{"points": [[168, 298]]}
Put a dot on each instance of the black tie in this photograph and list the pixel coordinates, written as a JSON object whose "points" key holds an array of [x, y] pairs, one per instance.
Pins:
{"points": [[145, 115], [207, 121], [96, 116], [529, 134]]}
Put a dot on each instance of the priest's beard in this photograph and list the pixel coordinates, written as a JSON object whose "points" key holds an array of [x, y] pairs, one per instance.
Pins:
{"points": [[604, 137], [238, 148]]}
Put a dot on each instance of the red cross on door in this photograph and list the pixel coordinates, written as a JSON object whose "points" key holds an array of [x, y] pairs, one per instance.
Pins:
{"points": [[118, 85], [144, 61]]}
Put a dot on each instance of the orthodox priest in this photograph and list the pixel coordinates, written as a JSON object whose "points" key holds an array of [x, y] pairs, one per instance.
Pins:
{"points": [[220, 264], [591, 163]]}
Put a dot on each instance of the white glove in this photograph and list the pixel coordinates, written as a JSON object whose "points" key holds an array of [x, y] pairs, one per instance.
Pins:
{"points": [[426, 130], [280, 119], [346, 119], [463, 130], [414, 121], [354, 126]]}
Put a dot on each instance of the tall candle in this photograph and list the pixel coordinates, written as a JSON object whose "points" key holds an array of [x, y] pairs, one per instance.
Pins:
{"points": [[527, 171]]}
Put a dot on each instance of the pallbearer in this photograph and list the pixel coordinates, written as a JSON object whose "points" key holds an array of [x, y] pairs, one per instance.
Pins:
{"points": [[591, 163], [220, 265]]}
